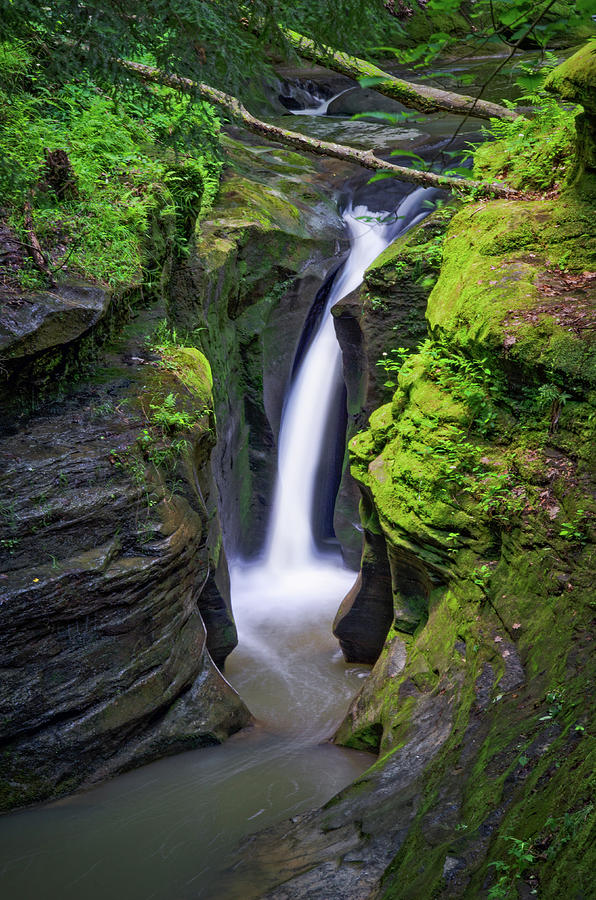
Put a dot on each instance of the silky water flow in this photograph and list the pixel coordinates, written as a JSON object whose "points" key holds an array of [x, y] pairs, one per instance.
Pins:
{"points": [[285, 603]]}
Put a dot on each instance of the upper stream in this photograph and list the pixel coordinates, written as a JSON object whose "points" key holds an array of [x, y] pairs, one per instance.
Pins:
{"points": [[163, 832]]}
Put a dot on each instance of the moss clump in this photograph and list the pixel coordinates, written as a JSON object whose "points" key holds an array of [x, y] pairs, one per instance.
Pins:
{"points": [[513, 284], [575, 78], [530, 154]]}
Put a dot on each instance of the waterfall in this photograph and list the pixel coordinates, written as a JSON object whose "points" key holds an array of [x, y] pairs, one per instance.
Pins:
{"points": [[292, 593], [290, 541], [320, 106]]}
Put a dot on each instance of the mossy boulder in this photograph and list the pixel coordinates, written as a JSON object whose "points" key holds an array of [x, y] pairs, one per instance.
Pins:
{"points": [[574, 80], [515, 285]]}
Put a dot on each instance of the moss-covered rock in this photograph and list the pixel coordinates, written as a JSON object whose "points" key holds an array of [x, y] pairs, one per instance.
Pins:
{"points": [[478, 476], [575, 81], [516, 285], [575, 78]]}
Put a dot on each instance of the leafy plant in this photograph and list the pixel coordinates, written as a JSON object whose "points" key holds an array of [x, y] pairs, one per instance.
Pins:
{"points": [[481, 576], [531, 153], [575, 531], [168, 417], [564, 829], [510, 872], [392, 363]]}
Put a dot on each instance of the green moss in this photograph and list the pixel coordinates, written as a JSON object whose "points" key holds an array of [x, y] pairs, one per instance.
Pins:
{"points": [[490, 528], [192, 369], [502, 263], [529, 154], [574, 80]]}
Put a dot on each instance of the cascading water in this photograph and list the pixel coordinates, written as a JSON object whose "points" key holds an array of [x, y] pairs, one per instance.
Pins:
{"points": [[284, 603], [320, 106], [291, 544]]}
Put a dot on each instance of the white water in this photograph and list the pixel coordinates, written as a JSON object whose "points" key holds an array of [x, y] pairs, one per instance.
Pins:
{"points": [[290, 543], [284, 603], [321, 106]]}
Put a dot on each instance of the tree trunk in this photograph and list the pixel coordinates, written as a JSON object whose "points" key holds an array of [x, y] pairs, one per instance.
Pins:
{"points": [[364, 158], [60, 174], [415, 96]]}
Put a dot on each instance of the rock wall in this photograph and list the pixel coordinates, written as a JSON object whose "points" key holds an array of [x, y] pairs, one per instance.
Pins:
{"points": [[245, 292], [104, 529]]}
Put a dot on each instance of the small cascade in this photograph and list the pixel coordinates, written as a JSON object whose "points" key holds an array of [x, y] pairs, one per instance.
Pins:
{"points": [[321, 107]]}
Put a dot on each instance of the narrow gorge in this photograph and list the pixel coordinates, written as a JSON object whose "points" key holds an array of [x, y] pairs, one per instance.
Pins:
{"points": [[298, 510]]}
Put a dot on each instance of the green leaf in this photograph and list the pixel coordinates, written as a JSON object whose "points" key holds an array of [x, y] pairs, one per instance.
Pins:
{"points": [[371, 81], [379, 175]]}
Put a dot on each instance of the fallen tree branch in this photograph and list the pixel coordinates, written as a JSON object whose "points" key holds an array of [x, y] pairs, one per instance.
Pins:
{"points": [[37, 254], [364, 158], [422, 97]]}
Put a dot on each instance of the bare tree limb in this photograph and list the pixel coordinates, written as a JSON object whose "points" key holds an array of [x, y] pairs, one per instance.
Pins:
{"points": [[37, 254], [422, 97], [364, 158]]}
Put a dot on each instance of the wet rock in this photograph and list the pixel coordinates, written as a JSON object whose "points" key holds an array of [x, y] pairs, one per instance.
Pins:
{"points": [[484, 686], [366, 613], [514, 675], [246, 290], [105, 554], [32, 323]]}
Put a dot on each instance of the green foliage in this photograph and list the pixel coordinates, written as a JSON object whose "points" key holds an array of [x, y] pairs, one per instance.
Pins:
{"points": [[391, 363], [120, 148], [493, 24], [168, 417], [562, 830], [471, 381], [531, 154], [547, 394], [185, 182], [481, 576], [576, 531], [509, 873], [163, 454], [223, 43], [164, 337]]}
